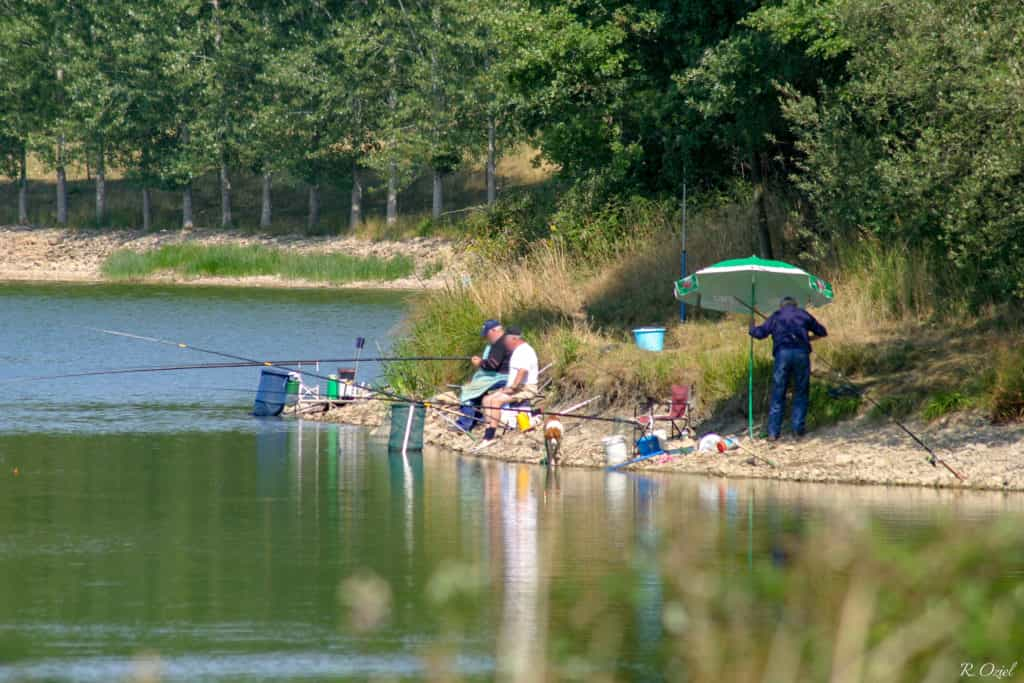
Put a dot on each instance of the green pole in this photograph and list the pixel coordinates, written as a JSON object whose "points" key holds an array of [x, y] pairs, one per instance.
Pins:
{"points": [[750, 367]]}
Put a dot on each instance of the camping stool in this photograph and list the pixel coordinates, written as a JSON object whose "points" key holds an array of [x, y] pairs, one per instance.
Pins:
{"points": [[678, 416]]}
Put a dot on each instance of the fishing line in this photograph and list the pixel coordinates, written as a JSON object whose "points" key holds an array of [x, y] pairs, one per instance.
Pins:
{"points": [[933, 459], [376, 390], [226, 365]]}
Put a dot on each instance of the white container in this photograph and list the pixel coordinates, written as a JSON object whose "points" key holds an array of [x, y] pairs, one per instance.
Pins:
{"points": [[713, 443], [615, 452], [709, 444], [662, 437]]}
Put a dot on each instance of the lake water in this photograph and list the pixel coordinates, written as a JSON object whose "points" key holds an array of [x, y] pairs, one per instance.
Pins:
{"points": [[151, 529]]}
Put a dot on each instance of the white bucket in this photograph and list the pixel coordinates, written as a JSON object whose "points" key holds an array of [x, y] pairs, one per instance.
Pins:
{"points": [[662, 437], [615, 452]]}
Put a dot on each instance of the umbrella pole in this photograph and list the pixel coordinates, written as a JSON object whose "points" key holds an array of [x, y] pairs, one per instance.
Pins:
{"points": [[750, 369]]}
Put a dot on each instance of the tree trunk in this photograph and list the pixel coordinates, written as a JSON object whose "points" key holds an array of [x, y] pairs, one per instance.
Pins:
{"points": [[23, 188], [265, 202], [355, 216], [62, 185], [147, 210], [438, 203], [314, 206], [62, 196], [101, 189], [764, 235], [492, 190], [392, 211], [62, 189], [186, 195], [186, 208], [225, 196]]}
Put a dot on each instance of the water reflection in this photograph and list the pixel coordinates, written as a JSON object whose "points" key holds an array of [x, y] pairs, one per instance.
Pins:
{"points": [[649, 586], [208, 546], [520, 635]]}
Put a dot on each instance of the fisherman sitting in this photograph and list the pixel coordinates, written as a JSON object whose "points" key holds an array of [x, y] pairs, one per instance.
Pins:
{"points": [[492, 371], [523, 369]]}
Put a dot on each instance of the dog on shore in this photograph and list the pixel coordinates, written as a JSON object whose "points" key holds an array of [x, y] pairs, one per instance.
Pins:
{"points": [[552, 439]]}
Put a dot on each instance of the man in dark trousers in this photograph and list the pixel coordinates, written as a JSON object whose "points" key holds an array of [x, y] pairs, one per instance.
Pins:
{"points": [[491, 373], [791, 328]]}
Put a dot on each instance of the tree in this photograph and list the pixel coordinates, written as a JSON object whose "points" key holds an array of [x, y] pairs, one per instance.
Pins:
{"points": [[27, 88], [921, 145]]}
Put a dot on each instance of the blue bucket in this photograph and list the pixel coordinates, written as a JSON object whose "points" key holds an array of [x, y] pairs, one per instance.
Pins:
{"points": [[648, 445], [271, 393], [650, 338]]}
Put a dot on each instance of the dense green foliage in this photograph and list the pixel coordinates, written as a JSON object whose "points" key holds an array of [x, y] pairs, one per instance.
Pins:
{"points": [[895, 122], [921, 142]]}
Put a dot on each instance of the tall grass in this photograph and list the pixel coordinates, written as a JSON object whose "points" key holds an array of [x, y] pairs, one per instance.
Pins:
{"points": [[892, 284], [193, 260], [1008, 390]]}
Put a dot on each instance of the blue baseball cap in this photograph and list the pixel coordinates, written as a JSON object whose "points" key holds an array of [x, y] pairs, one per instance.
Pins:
{"points": [[488, 326]]}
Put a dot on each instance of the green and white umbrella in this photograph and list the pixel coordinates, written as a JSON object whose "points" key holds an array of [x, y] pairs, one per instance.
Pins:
{"points": [[743, 285]]}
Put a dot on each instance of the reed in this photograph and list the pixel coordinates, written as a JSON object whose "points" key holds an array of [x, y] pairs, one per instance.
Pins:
{"points": [[193, 260]]}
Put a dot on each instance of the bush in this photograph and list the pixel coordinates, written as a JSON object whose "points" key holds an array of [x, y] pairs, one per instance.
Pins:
{"points": [[1008, 393], [445, 323]]}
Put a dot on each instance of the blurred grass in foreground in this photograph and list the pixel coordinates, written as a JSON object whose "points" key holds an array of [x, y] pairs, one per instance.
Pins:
{"points": [[835, 600]]}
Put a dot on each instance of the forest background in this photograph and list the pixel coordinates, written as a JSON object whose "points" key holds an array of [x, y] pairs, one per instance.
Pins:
{"points": [[897, 122]]}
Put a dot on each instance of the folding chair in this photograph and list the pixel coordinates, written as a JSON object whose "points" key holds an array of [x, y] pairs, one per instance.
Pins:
{"points": [[678, 415]]}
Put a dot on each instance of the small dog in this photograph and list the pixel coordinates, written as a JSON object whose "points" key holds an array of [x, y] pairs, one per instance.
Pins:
{"points": [[552, 439]]}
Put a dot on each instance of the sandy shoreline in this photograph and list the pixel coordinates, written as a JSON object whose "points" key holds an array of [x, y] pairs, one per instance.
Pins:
{"points": [[860, 451], [59, 255]]}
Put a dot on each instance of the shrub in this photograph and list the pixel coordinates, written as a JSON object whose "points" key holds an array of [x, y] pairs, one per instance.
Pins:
{"points": [[944, 403], [1008, 392]]}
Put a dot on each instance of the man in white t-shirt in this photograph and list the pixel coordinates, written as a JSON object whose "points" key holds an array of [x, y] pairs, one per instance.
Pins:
{"points": [[523, 369]]}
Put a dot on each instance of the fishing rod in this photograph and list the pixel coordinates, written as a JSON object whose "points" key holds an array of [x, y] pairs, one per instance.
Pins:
{"points": [[933, 459], [253, 362], [223, 365], [376, 390], [250, 361]]}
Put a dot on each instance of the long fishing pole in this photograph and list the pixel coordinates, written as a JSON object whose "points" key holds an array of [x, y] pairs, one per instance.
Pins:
{"points": [[933, 459], [251, 361], [376, 390], [223, 365]]}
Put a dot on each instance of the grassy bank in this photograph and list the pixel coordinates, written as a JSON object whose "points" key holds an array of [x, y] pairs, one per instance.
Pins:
{"points": [[193, 260], [894, 328]]}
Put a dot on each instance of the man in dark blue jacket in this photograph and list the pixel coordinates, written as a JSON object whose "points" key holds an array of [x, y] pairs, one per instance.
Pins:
{"points": [[791, 328]]}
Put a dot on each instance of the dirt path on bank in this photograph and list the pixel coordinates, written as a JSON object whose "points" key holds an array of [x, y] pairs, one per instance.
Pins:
{"points": [[860, 451], [59, 255]]}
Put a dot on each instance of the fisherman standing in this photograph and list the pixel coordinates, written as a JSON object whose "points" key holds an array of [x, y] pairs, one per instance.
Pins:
{"points": [[791, 329]]}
